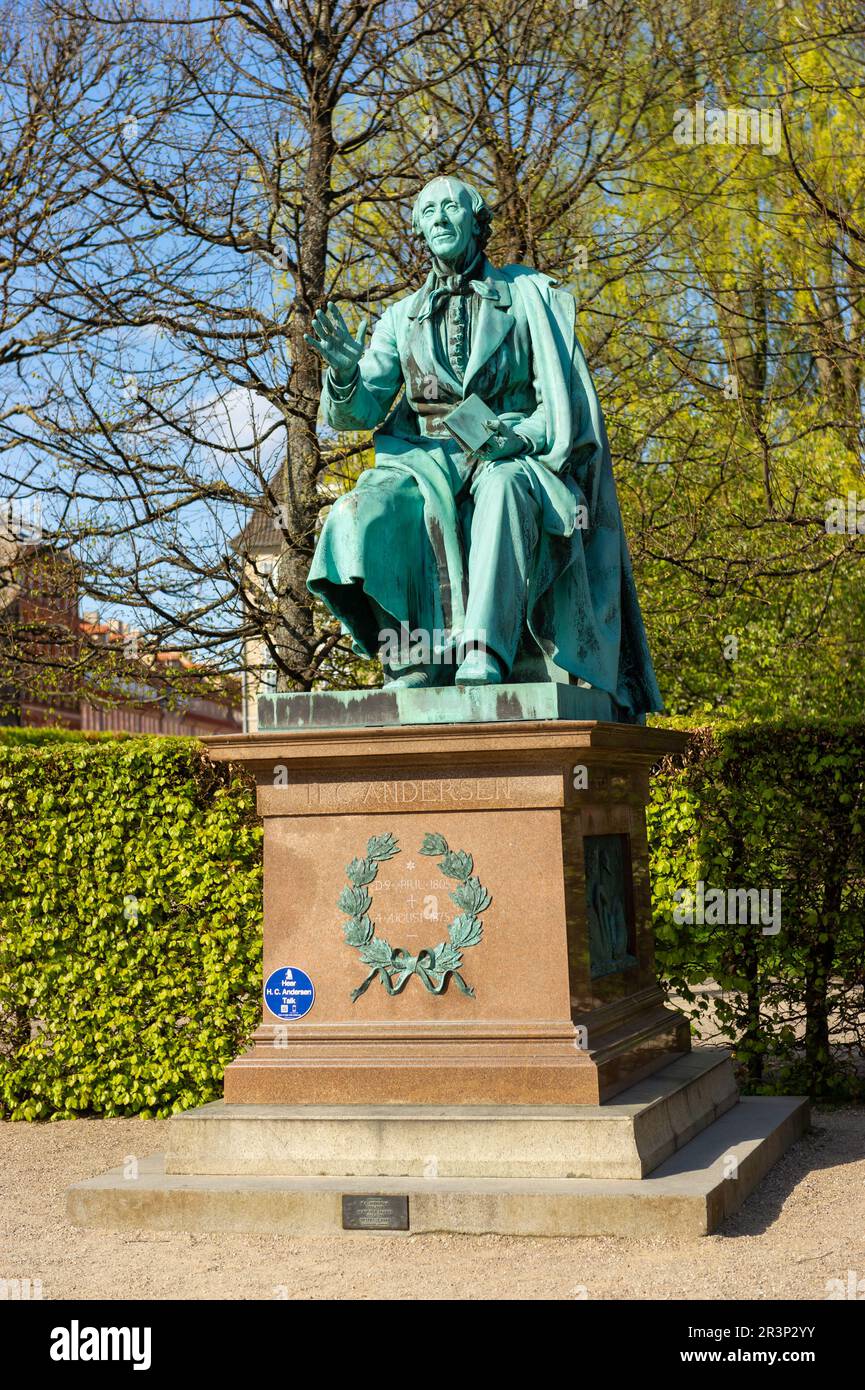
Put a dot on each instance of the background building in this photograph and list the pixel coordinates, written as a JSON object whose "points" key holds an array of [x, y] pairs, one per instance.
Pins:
{"points": [[259, 545], [60, 668]]}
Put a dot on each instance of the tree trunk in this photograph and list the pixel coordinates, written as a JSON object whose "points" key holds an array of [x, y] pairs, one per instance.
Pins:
{"points": [[300, 502]]}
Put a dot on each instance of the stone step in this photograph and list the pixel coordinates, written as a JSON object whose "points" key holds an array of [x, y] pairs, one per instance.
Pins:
{"points": [[690, 1194], [624, 1138]]}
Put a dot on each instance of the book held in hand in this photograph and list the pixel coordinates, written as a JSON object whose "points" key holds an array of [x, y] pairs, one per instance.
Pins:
{"points": [[473, 424]]}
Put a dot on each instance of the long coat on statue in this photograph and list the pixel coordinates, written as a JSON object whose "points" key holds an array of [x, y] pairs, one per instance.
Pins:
{"points": [[527, 366]]}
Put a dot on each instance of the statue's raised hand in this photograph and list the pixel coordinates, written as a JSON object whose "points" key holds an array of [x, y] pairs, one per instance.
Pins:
{"points": [[333, 342]]}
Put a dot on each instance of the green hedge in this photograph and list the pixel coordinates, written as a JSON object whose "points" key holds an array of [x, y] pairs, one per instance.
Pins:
{"points": [[777, 806], [130, 924]]}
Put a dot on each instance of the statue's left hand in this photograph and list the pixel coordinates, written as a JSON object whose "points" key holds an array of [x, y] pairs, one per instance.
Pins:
{"points": [[506, 446]]}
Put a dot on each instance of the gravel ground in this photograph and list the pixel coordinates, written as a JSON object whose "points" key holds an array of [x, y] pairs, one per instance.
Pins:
{"points": [[803, 1226]]}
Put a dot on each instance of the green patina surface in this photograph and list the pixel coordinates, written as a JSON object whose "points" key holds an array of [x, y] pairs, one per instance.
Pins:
{"points": [[514, 547], [608, 892], [393, 965], [477, 704]]}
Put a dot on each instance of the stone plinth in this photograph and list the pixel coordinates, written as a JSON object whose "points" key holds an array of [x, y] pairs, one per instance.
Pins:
{"points": [[626, 1138], [564, 1006], [453, 704], [688, 1194]]}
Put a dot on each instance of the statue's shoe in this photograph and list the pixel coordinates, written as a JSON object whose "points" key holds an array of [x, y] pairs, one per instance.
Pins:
{"points": [[480, 668], [420, 678]]}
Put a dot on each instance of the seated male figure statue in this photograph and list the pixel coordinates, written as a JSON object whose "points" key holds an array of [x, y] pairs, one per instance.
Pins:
{"points": [[515, 551]]}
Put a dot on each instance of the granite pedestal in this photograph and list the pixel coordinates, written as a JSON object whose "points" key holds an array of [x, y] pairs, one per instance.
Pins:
{"points": [[534, 802]]}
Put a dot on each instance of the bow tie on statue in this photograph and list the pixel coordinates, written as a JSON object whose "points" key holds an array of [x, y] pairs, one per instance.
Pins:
{"points": [[446, 284]]}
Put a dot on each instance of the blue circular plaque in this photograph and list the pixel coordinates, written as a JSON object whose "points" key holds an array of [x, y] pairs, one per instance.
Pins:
{"points": [[288, 993]]}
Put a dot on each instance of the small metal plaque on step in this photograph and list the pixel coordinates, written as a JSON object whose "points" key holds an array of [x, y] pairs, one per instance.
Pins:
{"points": [[374, 1213]]}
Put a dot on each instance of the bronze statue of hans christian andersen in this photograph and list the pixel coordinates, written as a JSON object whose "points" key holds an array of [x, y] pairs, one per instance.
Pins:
{"points": [[512, 549]]}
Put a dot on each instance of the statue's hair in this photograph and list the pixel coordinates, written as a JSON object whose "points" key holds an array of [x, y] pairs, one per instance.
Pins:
{"points": [[483, 214]]}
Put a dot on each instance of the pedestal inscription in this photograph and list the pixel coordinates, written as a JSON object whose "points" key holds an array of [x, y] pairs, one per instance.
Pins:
{"points": [[375, 1213], [288, 794]]}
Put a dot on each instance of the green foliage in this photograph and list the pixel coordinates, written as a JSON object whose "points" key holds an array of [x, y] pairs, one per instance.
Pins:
{"points": [[130, 925], [13, 737], [776, 806]]}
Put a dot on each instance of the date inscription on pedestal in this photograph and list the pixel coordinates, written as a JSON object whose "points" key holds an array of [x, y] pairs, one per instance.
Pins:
{"points": [[375, 1213]]}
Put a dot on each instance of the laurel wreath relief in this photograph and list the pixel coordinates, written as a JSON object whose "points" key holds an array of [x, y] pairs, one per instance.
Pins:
{"points": [[392, 964]]}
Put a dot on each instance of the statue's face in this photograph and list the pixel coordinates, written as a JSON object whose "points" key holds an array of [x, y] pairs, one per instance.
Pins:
{"points": [[446, 218]]}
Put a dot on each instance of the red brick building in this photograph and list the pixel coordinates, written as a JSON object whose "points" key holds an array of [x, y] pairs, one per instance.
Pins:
{"points": [[51, 672]]}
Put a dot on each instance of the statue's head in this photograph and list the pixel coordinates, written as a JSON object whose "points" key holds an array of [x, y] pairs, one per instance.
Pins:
{"points": [[452, 218]]}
